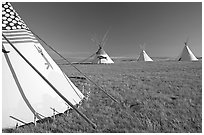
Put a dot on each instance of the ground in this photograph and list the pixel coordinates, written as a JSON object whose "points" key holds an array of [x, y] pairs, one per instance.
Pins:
{"points": [[153, 97]]}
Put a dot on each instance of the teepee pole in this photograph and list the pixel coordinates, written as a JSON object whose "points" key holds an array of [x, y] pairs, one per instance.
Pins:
{"points": [[67, 101], [77, 69], [104, 38]]}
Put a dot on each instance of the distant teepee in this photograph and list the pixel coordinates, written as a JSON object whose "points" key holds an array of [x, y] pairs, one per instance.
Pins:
{"points": [[187, 54], [101, 57], [143, 55]]}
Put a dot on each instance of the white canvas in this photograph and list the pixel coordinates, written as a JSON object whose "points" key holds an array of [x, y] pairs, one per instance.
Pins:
{"points": [[40, 96], [187, 55], [144, 57], [105, 58]]}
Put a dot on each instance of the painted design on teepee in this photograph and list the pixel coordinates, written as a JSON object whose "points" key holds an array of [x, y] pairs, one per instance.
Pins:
{"points": [[187, 54], [10, 19], [41, 52], [143, 55], [101, 57], [24, 93]]}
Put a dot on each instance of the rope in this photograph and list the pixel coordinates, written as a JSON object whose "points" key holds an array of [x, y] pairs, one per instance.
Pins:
{"points": [[76, 68], [86, 58]]}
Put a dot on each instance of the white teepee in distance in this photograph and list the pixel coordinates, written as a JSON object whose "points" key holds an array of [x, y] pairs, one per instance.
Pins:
{"points": [[143, 55], [101, 57], [187, 54], [25, 94]]}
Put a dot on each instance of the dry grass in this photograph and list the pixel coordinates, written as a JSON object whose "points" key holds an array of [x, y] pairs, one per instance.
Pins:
{"points": [[154, 97]]}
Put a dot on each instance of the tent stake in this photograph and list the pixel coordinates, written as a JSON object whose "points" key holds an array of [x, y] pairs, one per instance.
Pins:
{"points": [[18, 120], [67, 101], [35, 118]]}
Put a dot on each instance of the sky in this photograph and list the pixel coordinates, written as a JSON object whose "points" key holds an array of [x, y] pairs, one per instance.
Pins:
{"points": [[162, 27]]}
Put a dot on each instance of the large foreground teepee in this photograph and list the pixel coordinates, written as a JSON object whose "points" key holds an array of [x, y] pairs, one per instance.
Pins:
{"points": [[143, 55], [101, 57], [25, 94], [187, 54]]}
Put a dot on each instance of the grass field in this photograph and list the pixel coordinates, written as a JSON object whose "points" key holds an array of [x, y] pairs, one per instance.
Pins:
{"points": [[154, 97]]}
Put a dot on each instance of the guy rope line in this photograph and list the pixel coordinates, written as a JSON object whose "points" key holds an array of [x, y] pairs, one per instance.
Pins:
{"points": [[76, 68], [86, 58]]}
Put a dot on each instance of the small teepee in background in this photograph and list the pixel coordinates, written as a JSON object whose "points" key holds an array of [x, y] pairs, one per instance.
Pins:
{"points": [[101, 57], [187, 54], [143, 55]]}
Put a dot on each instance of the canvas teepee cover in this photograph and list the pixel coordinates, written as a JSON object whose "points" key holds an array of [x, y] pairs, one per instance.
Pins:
{"points": [[24, 92], [144, 57], [187, 55], [101, 57]]}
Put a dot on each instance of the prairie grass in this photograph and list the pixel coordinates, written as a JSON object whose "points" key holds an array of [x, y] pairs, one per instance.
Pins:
{"points": [[154, 97]]}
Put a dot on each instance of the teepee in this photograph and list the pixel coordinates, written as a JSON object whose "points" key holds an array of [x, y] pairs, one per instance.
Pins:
{"points": [[101, 57], [32, 83], [143, 55], [187, 54]]}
